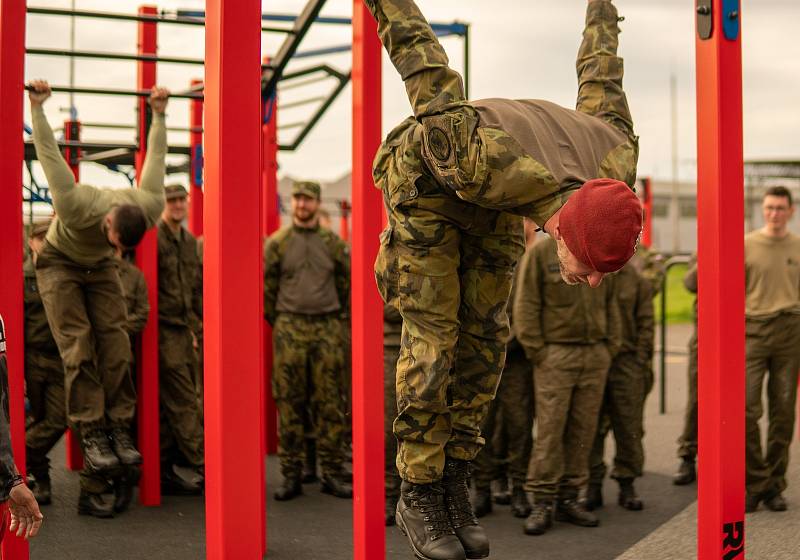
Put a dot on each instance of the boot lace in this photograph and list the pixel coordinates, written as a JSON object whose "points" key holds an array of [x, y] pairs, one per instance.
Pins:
{"points": [[459, 507], [430, 502]]}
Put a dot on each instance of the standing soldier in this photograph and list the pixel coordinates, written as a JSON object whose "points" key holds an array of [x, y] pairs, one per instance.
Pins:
{"points": [[570, 333], [180, 296], [512, 412], [306, 291], [687, 450], [78, 278], [455, 179], [772, 330], [392, 336], [625, 392], [44, 376]]}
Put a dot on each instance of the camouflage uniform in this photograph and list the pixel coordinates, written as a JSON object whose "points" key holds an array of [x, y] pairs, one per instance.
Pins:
{"points": [[688, 441], [448, 176], [392, 329], [179, 318], [626, 387], [571, 334], [306, 289], [511, 412], [44, 381]]}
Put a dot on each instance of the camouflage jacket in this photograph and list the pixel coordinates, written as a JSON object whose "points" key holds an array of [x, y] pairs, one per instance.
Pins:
{"points": [[635, 300], [522, 156], [549, 311], [38, 335], [134, 288], [180, 289], [392, 326], [306, 271]]}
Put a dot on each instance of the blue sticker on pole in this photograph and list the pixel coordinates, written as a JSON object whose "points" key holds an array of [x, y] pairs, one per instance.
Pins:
{"points": [[197, 163], [730, 19]]}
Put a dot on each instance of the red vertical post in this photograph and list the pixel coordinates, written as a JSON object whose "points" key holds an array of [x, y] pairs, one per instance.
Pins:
{"points": [[147, 260], [647, 205], [720, 196], [367, 309], [196, 164], [344, 226], [270, 222], [72, 132], [12, 70], [233, 287]]}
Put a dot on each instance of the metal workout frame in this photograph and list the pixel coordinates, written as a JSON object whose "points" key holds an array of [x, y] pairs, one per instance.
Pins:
{"points": [[236, 157]]}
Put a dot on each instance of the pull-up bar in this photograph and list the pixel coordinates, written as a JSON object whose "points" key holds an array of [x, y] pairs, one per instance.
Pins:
{"points": [[115, 56], [178, 20], [124, 92]]}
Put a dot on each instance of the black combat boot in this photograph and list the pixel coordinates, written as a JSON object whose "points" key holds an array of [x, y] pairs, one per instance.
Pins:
{"points": [[573, 511], [97, 453], [124, 448], [175, 483], [520, 506], [627, 495], [41, 491], [686, 472], [289, 489], [594, 497], [390, 510], [501, 495], [462, 518], [483, 502], [95, 505], [123, 488], [422, 517], [540, 518], [332, 484], [776, 503]]}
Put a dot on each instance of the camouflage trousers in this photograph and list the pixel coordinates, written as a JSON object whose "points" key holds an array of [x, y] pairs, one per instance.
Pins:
{"points": [[622, 411], [512, 411], [86, 310], [772, 350], [307, 376], [569, 392], [392, 478], [44, 383], [687, 443], [181, 418], [446, 265]]}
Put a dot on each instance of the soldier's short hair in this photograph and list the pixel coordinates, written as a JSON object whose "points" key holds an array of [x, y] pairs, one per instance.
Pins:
{"points": [[779, 191], [130, 224]]}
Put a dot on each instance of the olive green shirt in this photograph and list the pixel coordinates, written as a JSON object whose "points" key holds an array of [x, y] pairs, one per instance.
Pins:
{"points": [[306, 271], [549, 311], [637, 319], [137, 303], [38, 335], [78, 229], [772, 275], [180, 287]]}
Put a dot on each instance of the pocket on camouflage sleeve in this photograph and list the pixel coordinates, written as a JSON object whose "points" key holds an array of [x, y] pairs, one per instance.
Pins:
{"points": [[453, 149]]}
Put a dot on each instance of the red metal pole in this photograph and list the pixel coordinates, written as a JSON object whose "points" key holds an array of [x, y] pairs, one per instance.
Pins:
{"points": [[12, 69], [147, 260], [196, 164], [367, 309], [647, 204], [720, 194], [344, 226], [233, 287], [72, 131], [271, 222]]}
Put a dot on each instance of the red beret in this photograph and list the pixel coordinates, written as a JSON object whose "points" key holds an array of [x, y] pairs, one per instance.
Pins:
{"points": [[601, 224]]}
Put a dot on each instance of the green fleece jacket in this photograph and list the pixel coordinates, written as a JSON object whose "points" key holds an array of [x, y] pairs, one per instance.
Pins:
{"points": [[78, 230]]}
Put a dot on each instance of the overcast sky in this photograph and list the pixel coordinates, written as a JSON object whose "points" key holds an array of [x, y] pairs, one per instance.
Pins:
{"points": [[520, 49]]}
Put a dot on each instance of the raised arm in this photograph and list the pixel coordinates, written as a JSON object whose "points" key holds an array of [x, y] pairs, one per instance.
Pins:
{"points": [[152, 182], [417, 55]]}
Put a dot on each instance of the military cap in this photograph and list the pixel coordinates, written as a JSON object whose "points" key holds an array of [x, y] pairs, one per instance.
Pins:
{"points": [[307, 188], [40, 228], [175, 191]]}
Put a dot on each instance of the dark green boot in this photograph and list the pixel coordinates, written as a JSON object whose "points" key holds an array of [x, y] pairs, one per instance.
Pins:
{"points": [[422, 517]]}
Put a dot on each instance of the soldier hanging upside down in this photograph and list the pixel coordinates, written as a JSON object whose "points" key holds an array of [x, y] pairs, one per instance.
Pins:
{"points": [[457, 178]]}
